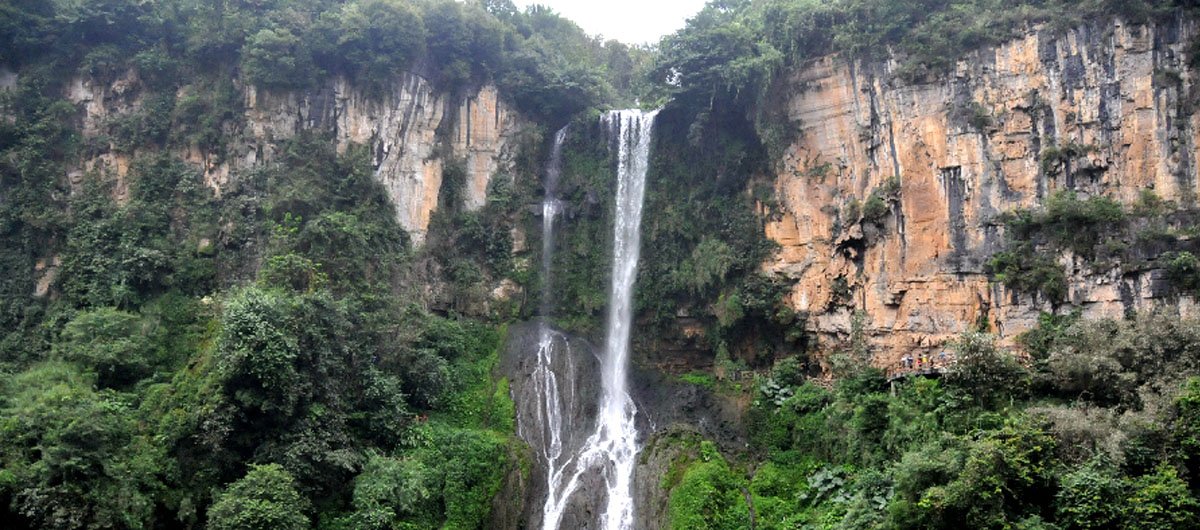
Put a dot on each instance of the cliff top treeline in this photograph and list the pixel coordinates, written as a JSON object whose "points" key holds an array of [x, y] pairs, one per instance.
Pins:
{"points": [[546, 63], [541, 60], [730, 53]]}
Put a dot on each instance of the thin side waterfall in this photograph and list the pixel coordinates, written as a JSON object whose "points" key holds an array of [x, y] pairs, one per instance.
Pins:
{"points": [[611, 450], [551, 409], [551, 209]]}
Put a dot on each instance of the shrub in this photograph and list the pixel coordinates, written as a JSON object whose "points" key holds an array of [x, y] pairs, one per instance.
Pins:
{"points": [[983, 370], [873, 209], [391, 490], [1091, 497], [1183, 270], [1186, 428], [277, 59], [1024, 272], [1080, 225], [112, 343], [257, 351], [264, 499], [1134, 362], [1039, 341], [1161, 501], [374, 41], [73, 457], [709, 496]]}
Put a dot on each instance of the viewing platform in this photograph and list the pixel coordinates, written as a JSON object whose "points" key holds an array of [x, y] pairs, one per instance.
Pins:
{"points": [[923, 365]]}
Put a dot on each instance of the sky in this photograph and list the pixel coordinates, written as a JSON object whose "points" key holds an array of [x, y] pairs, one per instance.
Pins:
{"points": [[629, 21]]}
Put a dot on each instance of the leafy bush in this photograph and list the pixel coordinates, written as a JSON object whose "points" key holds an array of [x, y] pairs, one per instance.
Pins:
{"points": [[258, 354], [981, 369], [1161, 501], [1092, 496], [373, 41], [1032, 274], [266, 498], [1183, 270], [1039, 341], [122, 255], [390, 490], [709, 495], [73, 457], [111, 343], [277, 59], [1186, 427], [1054, 158]]}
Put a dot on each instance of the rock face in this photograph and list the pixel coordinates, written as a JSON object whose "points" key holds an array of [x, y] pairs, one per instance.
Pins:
{"points": [[575, 364], [963, 149], [401, 128]]}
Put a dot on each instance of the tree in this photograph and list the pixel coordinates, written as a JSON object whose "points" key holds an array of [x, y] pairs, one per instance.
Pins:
{"points": [[277, 59], [719, 57], [110, 342], [373, 41], [257, 352], [1092, 497], [1161, 501], [74, 458], [392, 489], [709, 496], [1186, 428], [264, 499], [981, 369]]}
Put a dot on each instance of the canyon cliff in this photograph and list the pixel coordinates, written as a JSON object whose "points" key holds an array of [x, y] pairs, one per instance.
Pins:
{"points": [[402, 128], [960, 148], [964, 148]]}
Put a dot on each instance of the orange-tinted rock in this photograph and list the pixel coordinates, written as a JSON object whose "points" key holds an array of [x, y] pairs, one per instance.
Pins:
{"points": [[965, 148]]}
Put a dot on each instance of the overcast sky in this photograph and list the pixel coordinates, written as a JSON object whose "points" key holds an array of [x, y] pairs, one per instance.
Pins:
{"points": [[629, 21]]}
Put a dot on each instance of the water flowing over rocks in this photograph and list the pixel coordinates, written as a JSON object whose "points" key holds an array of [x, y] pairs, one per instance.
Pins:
{"points": [[573, 362], [579, 475]]}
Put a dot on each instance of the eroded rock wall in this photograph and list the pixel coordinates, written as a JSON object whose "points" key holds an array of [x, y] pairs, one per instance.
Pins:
{"points": [[401, 128], [965, 148]]}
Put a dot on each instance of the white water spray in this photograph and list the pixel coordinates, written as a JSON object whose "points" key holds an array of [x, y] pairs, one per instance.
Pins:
{"points": [[612, 448], [551, 407]]}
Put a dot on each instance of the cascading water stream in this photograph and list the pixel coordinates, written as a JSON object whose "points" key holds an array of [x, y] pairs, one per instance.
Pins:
{"points": [[612, 448], [551, 408]]}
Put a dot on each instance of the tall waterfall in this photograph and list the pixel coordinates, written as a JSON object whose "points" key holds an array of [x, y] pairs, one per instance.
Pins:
{"points": [[611, 449]]}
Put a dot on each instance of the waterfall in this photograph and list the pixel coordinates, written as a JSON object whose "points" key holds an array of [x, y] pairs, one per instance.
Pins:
{"points": [[552, 409], [551, 208], [612, 448]]}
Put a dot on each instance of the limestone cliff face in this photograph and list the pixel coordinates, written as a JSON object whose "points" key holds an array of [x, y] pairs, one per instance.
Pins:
{"points": [[400, 127], [965, 148]]}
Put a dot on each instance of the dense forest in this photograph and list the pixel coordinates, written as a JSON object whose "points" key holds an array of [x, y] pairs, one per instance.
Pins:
{"points": [[278, 353]]}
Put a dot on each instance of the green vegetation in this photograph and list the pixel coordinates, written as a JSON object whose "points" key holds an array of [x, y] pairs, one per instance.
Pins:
{"points": [[730, 53], [1102, 436], [703, 224], [1091, 229], [275, 354], [265, 498], [1151, 233], [877, 205], [251, 361], [1054, 158]]}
